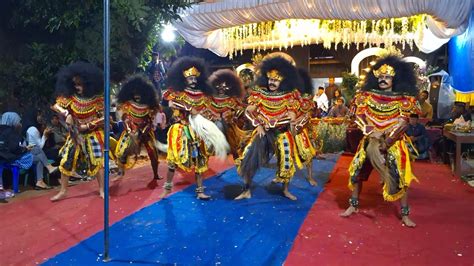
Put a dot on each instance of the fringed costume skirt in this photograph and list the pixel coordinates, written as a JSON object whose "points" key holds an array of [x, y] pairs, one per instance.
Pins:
{"points": [[393, 165], [185, 150], [82, 156]]}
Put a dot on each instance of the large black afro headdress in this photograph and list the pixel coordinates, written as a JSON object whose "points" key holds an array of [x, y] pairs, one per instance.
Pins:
{"points": [[176, 80], [138, 84], [404, 80], [285, 69], [90, 75], [230, 78], [306, 83]]}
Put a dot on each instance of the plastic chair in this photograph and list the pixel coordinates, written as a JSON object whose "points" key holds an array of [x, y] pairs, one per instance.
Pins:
{"points": [[15, 172]]}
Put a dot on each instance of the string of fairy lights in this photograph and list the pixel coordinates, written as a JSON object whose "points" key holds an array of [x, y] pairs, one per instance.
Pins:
{"points": [[287, 33]]}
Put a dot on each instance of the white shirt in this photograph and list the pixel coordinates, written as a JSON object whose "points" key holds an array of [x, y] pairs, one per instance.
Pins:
{"points": [[160, 120], [33, 137], [322, 101]]}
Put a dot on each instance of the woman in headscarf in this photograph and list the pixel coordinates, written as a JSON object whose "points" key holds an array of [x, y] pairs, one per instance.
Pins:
{"points": [[11, 151], [35, 143]]}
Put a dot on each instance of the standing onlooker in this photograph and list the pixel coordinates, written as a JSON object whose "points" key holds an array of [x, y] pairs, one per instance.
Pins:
{"points": [[331, 90], [156, 72]]}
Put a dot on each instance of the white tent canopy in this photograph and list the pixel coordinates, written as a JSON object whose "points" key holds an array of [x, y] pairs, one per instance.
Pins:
{"points": [[201, 25]]}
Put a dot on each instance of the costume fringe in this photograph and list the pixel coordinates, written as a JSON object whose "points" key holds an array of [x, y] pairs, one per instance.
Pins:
{"points": [[256, 154], [161, 146], [210, 133]]}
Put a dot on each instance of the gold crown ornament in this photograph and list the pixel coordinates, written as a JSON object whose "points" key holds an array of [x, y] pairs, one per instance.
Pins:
{"points": [[385, 70], [193, 71], [274, 74]]}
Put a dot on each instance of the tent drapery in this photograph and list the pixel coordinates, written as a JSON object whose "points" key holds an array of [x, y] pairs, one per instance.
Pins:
{"points": [[461, 63], [201, 24]]}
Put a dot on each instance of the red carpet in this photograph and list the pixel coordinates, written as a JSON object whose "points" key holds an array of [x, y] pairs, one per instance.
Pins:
{"points": [[35, 229], [441, 205]]}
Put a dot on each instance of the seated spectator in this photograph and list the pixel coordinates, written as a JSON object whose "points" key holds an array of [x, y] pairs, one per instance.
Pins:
{"points": [[418, 136], [322, 101], [339, 109], [55, 139], [426, 108], [35, 143], [10, 149], [460, 110], [58, 130], [337, 95]]}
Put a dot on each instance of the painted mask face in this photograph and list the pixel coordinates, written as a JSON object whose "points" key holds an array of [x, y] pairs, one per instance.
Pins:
{"points": [[191, 82], [273, 84], [222, 88], [385, 82], [78, 85]]}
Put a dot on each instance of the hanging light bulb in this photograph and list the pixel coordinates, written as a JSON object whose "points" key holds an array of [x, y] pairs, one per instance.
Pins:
{"points": [[168, 33]]}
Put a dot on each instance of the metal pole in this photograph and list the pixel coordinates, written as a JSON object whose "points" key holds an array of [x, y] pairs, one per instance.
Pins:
{"points": [[106, 126]]}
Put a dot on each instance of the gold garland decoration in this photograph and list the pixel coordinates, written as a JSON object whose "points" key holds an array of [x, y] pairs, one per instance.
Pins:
{"points": [[289, 32]]}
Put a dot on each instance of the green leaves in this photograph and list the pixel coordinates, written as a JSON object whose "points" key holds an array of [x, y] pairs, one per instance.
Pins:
{"points": [[41, 36]]}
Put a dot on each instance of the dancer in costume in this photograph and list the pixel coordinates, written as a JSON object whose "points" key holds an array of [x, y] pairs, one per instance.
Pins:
{"points": [[191, 138], [79, 89], [226, 107], [272, 108], [381, 112], [137, 101], [305, 148]]}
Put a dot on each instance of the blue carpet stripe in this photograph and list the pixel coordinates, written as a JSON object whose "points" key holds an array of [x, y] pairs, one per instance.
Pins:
{"points": [[182, 230]]}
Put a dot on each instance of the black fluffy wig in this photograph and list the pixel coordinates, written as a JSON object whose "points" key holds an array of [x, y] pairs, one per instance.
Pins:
{"points": [[90, 75], [404, 81], [306, 86], [236, 87], [138, 84], [176, 80], [285, 68]]}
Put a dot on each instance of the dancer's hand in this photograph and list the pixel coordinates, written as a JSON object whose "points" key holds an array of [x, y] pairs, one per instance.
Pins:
{"points": [[194, 111], [260, 131]]}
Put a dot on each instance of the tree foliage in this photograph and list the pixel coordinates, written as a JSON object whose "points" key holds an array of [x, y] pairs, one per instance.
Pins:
{"points": [[38, 37]]}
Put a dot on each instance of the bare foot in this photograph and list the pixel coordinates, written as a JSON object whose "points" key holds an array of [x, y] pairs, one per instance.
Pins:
{"points": [[101, 193], [406, 221], [202, 196], [157, 177], [349, 211], [311, 181], [61, 195], [165, 193], [287, 194], [246, 194]]}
